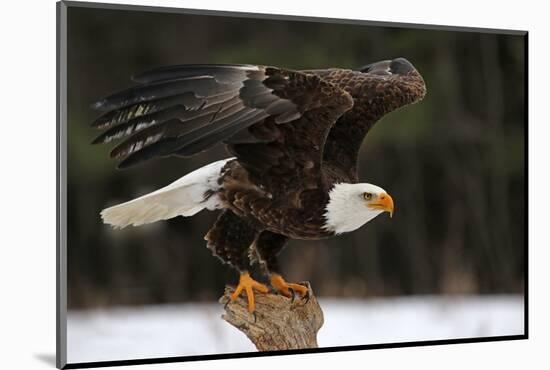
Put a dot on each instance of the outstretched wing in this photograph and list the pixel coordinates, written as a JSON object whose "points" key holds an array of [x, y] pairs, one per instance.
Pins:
{"points": [[275, 121], [377, 89]]}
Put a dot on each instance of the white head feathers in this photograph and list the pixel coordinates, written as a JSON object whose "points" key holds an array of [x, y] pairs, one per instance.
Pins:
{"points": [[352, 205]]}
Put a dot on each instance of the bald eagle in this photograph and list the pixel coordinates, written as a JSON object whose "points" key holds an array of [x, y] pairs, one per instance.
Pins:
{"points": [[294, 137]]}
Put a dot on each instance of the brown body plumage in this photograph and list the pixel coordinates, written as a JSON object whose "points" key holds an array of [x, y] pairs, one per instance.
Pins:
{"points": [[294, 135]]}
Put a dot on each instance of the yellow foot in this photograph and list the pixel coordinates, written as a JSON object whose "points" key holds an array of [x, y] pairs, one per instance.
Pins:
{"points": [[288, 289], [246, 283]]}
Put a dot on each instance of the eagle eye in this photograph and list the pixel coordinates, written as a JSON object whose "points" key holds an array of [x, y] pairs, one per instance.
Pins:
{"points": [[367, 196]]}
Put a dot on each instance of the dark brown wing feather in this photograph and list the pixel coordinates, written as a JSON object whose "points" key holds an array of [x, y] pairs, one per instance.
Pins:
{"points": [[274, 121], [288, 155], [377, 89]]}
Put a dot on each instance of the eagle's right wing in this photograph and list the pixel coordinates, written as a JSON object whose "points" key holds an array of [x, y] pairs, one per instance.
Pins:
{"points": [[377, 90], [275, 121]]}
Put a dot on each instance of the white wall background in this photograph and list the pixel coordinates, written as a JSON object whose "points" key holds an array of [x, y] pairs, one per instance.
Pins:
{"points": [[27, 181]]}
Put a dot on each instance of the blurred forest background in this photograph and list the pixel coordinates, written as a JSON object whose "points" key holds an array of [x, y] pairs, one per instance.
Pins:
{"points": [[454, 163]]}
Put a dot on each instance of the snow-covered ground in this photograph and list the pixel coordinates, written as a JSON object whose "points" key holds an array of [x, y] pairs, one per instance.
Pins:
{"points": [[197, 329]]}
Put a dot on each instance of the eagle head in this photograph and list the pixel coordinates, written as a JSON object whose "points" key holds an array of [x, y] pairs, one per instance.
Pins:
{"points": [[350, 206]]}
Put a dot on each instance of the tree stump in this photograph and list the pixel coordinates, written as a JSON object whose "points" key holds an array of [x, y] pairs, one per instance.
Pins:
{"points": [[279, 323]]}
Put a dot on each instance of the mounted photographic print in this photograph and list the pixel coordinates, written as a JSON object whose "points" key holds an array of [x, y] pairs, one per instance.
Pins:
{"points": [[235, 185]]}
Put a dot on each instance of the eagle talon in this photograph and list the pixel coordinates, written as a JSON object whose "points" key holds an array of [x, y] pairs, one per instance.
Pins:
{"points": [[287, 289], [248, 285]]}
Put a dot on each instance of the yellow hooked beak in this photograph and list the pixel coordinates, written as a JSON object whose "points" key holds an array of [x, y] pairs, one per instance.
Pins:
{"points": [[384, 203]]}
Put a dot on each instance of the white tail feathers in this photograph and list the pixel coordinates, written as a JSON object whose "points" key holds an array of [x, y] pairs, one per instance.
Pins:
{"points": [[184, 197]]}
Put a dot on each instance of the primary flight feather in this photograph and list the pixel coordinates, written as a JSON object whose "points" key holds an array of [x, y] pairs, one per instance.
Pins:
{"points": [[294, 137]]}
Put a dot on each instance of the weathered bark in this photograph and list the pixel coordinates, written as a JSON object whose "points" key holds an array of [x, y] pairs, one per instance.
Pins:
{"points": [[279, 322]]}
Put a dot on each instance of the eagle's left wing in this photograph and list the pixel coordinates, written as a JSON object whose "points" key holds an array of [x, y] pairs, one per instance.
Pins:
{"points": [[274, 120]]}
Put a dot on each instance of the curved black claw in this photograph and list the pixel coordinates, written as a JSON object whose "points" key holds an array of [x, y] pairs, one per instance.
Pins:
{"points": [[255, 316], [292, 295], [306, 297], [226, 304]]}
